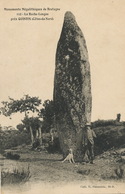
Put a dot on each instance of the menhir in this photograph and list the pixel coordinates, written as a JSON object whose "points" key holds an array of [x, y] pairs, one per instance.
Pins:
{"points": [[72, 87]]}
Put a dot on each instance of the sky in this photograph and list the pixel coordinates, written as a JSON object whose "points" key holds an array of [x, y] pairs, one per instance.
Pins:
{"points": [[28, 48]]}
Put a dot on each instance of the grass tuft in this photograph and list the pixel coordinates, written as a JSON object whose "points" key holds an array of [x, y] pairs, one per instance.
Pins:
{"points": [[15, 177]]}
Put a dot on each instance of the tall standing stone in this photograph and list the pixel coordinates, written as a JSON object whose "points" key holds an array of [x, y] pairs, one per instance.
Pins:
{"points": [[72, 87]]}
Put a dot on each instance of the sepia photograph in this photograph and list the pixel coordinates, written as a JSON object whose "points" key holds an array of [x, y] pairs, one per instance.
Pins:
{"points": [[62, 97]]}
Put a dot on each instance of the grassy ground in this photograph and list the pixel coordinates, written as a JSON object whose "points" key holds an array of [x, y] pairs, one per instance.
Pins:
{"points": [[48, 171], [47, 167]]}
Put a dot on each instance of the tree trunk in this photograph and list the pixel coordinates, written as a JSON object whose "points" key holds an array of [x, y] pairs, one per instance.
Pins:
{"points": [[32, 137], [40, 135], [37, 133]]}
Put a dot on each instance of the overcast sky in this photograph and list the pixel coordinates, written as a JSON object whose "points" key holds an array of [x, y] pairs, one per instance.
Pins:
{"points": [[27, 52]]}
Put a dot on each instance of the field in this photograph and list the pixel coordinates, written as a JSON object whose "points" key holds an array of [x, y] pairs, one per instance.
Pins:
{"points": [[48, 173], [47, 169]]}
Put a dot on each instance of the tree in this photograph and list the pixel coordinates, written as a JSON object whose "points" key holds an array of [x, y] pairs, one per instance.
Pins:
{"points": [[25, 104], [47, 113], [33, 125]]}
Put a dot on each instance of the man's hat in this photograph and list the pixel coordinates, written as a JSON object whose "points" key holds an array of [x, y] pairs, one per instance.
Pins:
{"points": [[88, 124]]}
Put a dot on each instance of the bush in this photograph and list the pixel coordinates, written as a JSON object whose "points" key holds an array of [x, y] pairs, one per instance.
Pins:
{"points": [[12, 156], [14, 177], [103, 123], [119, 172], [36, 144], [109, 137], [13, 138], [54, 147]]}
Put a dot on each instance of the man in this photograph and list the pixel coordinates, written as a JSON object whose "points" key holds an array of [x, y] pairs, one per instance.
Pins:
{"points": [[89, 136]]}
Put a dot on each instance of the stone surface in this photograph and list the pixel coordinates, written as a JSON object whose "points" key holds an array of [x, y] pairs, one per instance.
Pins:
{"points": [[72, 87]]}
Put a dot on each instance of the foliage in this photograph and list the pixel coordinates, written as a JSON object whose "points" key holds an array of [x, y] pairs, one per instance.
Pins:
{"points": [[36, 143], [109, 137], [54, 147], [15, 177], [119, 172], [103, 123], [47, 113], [33, 122], [12, 156], [25, 104], [20, 127], [13, 138]]}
